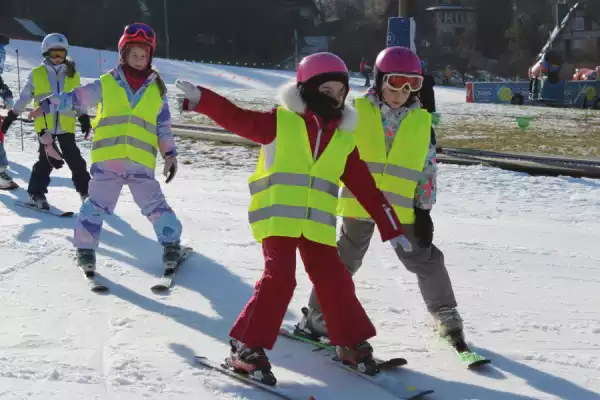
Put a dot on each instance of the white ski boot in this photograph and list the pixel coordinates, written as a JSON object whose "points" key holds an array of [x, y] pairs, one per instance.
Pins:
{"points": [[6, 181], [448, 322]]}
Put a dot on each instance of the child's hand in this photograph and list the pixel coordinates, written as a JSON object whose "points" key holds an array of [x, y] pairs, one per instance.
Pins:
{"points": [[48, 105], [38, 112]]}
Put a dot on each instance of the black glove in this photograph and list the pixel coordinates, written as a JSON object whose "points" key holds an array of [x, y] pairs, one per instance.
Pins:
{"points": [[10, 118], [86, 125], [423, 227]]}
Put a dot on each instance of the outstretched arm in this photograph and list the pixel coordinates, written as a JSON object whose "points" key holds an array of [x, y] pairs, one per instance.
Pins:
{"points": [[257, 126]]}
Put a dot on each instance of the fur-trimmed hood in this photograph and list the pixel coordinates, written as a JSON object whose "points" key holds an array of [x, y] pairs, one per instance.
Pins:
{"points": [[289, 97]]}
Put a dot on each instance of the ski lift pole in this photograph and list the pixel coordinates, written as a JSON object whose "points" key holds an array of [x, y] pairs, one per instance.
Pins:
{"points": [[19, 86]]}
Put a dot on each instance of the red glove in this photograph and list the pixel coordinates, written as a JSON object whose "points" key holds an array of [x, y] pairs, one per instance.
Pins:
{"points": [[1, 137]]}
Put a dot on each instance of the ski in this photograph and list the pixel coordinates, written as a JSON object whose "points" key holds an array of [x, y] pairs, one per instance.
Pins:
{"points": [[166, 280], [390, 384], [56, 213], [226, 369], [93, 283], [467, 356], [11, 186], [323, 343]]}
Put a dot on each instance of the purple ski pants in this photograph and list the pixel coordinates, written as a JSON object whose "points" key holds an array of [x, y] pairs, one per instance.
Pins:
{"points": [[105, 189]]}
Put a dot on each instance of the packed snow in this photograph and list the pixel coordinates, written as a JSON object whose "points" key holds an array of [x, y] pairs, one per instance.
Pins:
{"points": [[522, 253]]}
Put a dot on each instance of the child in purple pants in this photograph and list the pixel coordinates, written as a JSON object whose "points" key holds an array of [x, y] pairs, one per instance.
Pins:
{"points": [[134, 125]]}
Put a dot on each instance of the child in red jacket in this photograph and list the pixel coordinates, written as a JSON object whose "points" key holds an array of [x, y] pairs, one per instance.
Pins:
{"points": [[307, 147]]}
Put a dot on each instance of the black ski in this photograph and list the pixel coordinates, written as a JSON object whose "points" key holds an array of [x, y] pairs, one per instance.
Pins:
{"points": [[94, 285], [56, 213]]}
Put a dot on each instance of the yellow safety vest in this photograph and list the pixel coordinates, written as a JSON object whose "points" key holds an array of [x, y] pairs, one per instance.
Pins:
{"points": [[397, 173], [42, 89], [293, 195], [123, 132]]}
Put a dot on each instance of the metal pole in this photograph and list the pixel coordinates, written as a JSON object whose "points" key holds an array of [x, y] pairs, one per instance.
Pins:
{"points": [[19, 86], [297, 61], [168, 41]]}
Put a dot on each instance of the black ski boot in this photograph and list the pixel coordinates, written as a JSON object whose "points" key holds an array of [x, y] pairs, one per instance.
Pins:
{"points": [[86, 260], [38, 200], [251, 361], [171, 255]]}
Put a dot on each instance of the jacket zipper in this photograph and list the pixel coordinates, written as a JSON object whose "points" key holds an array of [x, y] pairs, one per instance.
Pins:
{"points": [[318, 142], [56, 118]]}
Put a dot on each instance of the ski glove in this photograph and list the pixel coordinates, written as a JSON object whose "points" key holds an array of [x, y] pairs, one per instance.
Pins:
{"points": [[8, 120], [191, 93], [170, 168], [423, 227], [9, 103], [86, 125], [52, 154], [403, 242]]}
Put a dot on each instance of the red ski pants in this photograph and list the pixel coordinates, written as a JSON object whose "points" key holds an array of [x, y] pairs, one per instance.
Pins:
{"points": [[259, 323]]}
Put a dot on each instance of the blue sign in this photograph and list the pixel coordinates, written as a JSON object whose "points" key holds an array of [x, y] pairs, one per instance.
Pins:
{"points": [[399, 32], [573, 93]]}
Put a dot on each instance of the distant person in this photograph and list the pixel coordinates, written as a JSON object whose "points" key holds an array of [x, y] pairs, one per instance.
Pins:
{"points": [[56, 73], [6, 181], [447, 75], [549, 66], [5, 92], [365, 70]]}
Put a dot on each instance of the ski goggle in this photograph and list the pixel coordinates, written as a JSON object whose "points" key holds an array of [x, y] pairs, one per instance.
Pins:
{"points": [[398, 81], [57, 53], [139, 29]]}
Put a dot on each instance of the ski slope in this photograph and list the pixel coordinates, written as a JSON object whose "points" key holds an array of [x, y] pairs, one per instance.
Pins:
{"points": [[522, 253]]}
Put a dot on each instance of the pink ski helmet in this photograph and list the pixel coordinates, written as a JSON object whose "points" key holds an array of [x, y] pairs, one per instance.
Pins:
{"points": [[398, 59], [318, 64]]}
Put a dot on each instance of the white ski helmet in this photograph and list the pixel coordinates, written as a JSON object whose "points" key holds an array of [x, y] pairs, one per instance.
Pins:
{"points": [[54, 41]]}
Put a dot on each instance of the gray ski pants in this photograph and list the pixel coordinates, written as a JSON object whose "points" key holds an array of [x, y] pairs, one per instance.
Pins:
{"points": [[427, 263]]}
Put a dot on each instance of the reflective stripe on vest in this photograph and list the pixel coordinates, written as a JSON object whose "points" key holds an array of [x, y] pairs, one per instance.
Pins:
{"points": [[123, 132], [42, 89], [396, 173], [293, 195]]}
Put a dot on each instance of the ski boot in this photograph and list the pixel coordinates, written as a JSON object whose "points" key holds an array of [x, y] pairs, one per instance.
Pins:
{"points": [[38, 200], [312, 325], [171, 255], [86, 260], [448, 322], [359, 358], [252, 361], [449, 325], [6, 182]]}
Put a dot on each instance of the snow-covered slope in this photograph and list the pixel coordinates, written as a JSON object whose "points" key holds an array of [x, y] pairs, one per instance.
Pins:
{"points": [[251, 84], [522, 253]]}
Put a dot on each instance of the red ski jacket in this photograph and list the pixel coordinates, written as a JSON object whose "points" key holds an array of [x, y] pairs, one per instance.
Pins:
{"points": [[261, 127]]}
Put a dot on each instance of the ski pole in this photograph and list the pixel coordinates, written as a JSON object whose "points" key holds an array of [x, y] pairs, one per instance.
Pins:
{"points": [[19, 85]]}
